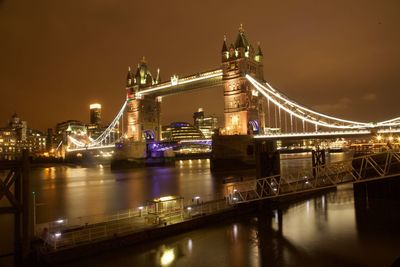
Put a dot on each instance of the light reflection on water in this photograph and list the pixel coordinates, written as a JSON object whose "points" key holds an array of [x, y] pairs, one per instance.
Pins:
{"points": [[321, 231], [76, 192]]}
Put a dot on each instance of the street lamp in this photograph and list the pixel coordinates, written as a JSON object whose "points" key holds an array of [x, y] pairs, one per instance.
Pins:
{"points": [[140, 210]]}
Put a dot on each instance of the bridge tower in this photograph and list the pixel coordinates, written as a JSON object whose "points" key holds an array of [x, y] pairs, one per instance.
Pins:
{"points": [[143, 112], [244, 109]]}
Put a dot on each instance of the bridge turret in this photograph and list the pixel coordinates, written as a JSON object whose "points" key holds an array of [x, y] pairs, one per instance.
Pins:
{"points": [[244, 109], [259, 55], [224, 50], [143, 111], [242, 46], [158, 77], [130, 80], [137, 75], [232, 51]]}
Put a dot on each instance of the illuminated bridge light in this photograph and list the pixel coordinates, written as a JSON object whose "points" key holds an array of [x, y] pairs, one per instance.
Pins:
{"points": [[306, 134], [268, 92]]}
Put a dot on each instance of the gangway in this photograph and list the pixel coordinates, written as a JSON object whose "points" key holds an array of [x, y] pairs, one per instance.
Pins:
{"points": [[359, 169]]}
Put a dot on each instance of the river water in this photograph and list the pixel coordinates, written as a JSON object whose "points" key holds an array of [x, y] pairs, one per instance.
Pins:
{"points": [[321, 231]]}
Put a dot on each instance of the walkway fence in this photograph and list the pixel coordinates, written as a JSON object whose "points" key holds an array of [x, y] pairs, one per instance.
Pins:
{"points": [[65, 233], [359, 169]]}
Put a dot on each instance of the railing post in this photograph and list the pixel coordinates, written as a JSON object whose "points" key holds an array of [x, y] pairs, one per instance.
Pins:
{"points": [[17, 215], [27, 226]]}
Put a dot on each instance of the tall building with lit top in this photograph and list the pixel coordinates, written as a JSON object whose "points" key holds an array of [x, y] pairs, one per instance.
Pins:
{"points": [[95, 113]]}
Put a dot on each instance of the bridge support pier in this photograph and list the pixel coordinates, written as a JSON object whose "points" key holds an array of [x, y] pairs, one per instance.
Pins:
{"points": [[232, 152]]}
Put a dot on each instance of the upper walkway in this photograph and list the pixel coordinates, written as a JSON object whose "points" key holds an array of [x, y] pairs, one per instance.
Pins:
{"points": [[178, 85]]}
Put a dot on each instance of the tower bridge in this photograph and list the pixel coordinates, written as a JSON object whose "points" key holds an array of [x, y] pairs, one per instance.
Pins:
{"points": [[253, 109]]}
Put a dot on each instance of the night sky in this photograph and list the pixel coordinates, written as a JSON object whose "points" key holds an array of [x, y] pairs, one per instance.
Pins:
{"points": [[57, 57]]}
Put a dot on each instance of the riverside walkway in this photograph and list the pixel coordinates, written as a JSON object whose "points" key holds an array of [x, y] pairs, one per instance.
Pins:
{"points": [[64, 234]]}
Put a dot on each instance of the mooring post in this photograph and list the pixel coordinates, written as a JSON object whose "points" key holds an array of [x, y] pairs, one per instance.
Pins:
{"points": [[318, 159]]}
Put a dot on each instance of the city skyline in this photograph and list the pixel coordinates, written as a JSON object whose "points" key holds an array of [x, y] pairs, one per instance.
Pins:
{"points": [[339, 58]]}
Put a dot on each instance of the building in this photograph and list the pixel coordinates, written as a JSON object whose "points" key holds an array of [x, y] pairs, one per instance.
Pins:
{"points": [[206, 125], [35, 142], [17, 136], [95, 114], [8, 143], [19, 126], [178, 131]]}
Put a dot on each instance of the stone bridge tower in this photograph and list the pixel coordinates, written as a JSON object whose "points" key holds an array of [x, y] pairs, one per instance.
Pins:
{"points": [[244, 108], [142, 112]]}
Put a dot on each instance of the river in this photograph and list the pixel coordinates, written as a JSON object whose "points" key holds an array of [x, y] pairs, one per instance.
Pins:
{"points": [[321, 231]]}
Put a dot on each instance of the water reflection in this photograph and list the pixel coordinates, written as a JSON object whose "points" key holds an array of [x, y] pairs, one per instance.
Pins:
{"points": [[322, 231], [77, 192]]}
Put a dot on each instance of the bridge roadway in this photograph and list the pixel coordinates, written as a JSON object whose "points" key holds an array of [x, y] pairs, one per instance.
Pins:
{"points": [[69, 234]]}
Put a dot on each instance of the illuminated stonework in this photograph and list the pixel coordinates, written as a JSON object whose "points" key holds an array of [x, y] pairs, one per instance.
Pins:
{"points": [[143, 111], [244, 109]]}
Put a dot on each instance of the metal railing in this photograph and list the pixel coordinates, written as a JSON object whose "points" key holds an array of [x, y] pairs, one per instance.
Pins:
{"points": [[64, 234], [364, 168]]}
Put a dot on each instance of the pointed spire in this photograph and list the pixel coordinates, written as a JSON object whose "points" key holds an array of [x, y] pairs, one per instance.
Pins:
{"points": [[143, 61], [129, 73], [129, 77], [241, 40], [137, 71], [224, 47], [259, 55], [259, 52], [158, 78], [241, 29]]}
